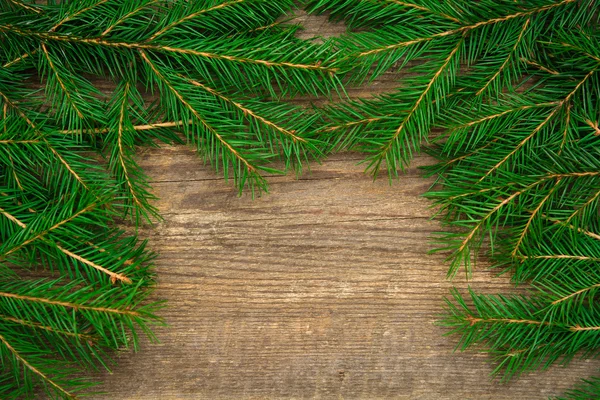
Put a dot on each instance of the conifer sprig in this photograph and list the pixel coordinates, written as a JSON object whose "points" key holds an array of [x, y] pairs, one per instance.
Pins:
{"points": [[502, 33], [219, 69], [517, 178], [175, 48]]}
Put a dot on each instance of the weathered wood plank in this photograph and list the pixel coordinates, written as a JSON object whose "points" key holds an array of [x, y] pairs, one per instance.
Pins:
{"points": [[321, 289]]}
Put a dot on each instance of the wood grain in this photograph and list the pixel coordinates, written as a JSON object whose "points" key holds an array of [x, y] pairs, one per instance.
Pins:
{"points": [[322, 289]]}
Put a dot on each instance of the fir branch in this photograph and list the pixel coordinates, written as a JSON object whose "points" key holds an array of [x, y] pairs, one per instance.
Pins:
{"points": [[422, 8], [504, 113], [27, 7], [574, 47], [193, 15], [17, 60], [463, 252], [577, 292], [8, 102], [578, 229], [387, 148], [198, 117], [248, 112], [77, 12], [174, 124], [354, 123], [61, 82], [144, 4], [471, 320], [539, 127], [121, 152], [164, 49], [13, 218], [467, 28], [508, 58], [35, 325], [74, 306], [594, 126], [43, 233], [39, 374], [533, 215], [587, 389], [120, 138], [113, 276], [540, 67]]}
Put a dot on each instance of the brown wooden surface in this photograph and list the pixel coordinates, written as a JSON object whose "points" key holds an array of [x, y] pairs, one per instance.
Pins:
{"points": [[321, 289]]}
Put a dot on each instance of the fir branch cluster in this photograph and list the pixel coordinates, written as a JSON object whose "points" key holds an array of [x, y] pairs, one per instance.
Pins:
{"points": [[219, 71], [515, 87]]}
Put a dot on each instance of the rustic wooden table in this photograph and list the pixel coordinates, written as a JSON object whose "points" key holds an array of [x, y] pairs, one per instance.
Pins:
{"points": [[321, 289]]}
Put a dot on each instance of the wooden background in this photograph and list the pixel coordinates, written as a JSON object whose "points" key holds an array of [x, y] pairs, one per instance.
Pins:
{"points": [[321, 289]]}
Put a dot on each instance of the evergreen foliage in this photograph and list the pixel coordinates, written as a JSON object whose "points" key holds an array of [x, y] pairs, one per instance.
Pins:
{"points": [[515, 85], [219, 70]]}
